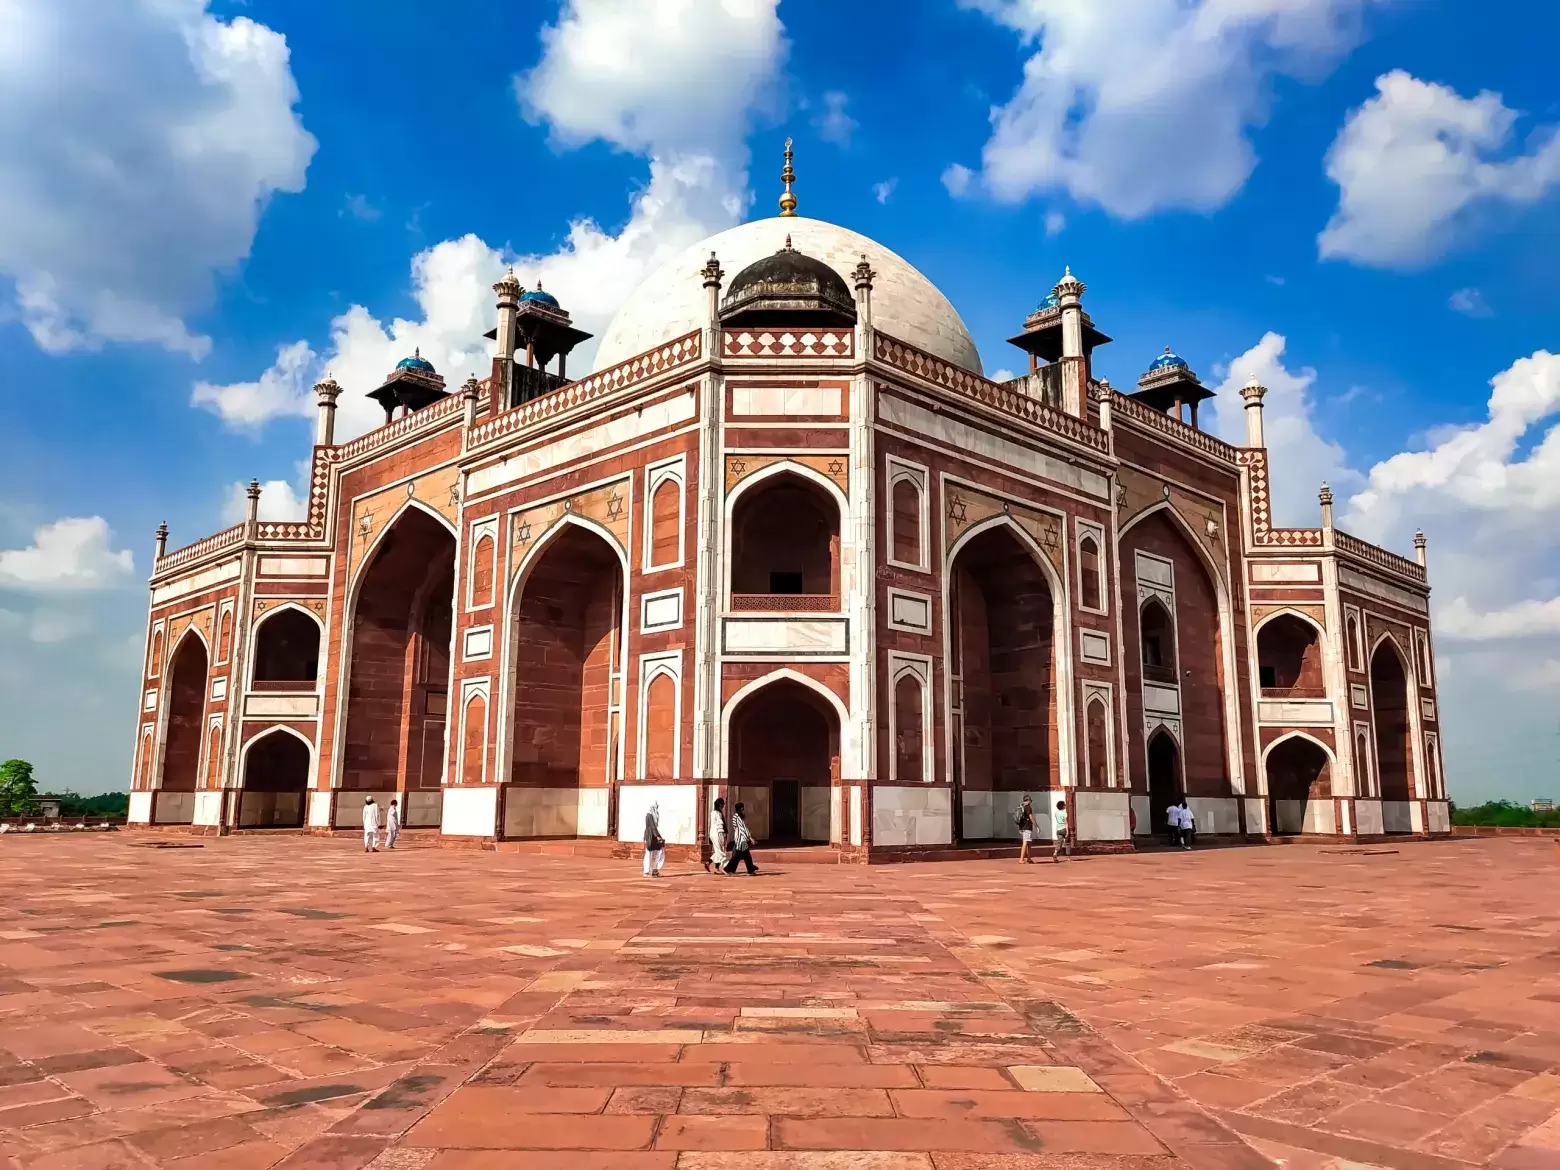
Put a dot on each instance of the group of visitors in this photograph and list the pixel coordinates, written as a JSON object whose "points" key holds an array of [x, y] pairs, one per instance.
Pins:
{"points": [[371, 824], [737, 834], [1061, 838], [1182, 824]]}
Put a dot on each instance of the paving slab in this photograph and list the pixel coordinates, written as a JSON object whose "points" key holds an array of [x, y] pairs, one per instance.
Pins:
{"points": [[288, 1002]]}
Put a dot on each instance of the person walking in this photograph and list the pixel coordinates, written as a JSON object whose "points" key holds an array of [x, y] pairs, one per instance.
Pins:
{"points": [[655, 844], [741, 842], [1024, 818], [717, 859], [392, 823], [1062, 841], [1188, 825], [370, 825], [1173, 821]]}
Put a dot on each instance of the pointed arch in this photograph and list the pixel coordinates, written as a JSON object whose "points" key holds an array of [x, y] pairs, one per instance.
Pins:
{"points": [[507, 724], [1224, 624], [276, 772], [186, 689], [748, 688], [264, 667], [823, 505], [1299, 768], [781, 751], [411, 503], [1332, 756], [1062, 719], [1394, 718]]}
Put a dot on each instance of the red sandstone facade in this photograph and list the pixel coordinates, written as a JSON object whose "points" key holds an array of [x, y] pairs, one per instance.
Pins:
{"points": [[814, 567]]}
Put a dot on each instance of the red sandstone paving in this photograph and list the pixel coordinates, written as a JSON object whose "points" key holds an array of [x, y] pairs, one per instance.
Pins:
{"points": [[285, 1002]]}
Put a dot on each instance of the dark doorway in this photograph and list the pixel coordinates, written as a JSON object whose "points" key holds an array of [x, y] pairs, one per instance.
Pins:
{"points": [[1164, 779], [276, 780], [785, 746], [1389, 703], [785, 822], [1298, 777], [186, 712]]}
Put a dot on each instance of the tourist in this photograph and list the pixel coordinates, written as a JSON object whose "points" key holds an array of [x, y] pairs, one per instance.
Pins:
{"points": [[655, 844], [741, 842], [1188, 825], [1062, 843], [1024, 818], [1173, 823], [370, 825], [392, 823], [717, 859]]}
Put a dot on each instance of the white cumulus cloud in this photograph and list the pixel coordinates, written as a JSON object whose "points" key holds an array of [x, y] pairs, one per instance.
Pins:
{"points": [[68, 555], [835, 124], [677, 81], [139, 143], [1144, 105], [1415, 162], [280, 502], [1300, 459]]}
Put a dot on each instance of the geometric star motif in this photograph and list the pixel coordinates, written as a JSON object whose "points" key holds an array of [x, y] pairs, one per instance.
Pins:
{"points": [[365, 523], [523, 533], [738, 467], [615, 505], [957, 509], [836, 467]]}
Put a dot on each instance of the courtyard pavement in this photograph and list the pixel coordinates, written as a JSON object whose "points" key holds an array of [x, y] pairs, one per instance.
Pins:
{"points": [[291, 1002]]}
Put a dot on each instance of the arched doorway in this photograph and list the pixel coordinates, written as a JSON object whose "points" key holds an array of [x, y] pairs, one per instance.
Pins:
{"points": [[1174, 658], [1164, 779], [276, 782], [785, 546], [1289, 659], [566, 634], [398, 678], [1389, 706], [784, 761], [1299, 782], [185, 738], [1002, 634], [287, 651]]}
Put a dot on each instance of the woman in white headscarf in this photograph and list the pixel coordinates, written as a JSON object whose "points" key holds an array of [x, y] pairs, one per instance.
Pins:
{"points": [[655, 845]]}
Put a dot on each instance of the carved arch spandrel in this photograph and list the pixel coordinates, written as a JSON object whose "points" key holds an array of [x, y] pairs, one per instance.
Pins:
{"points": [[832, 467], [607, 506], [1138, 493], [438, 491], [964, 507]]}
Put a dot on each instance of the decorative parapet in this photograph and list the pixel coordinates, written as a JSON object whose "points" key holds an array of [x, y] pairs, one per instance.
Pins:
{"points": [[1293, 538], [676, 353], [826, 343], [1379, 558], [399, 429], [951, 377], [283, 531], [1174, 428], [205, 547], [1263, 534]]}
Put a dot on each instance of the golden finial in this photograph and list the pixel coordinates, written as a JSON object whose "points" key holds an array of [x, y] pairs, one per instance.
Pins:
{"points": [[787, 176]]}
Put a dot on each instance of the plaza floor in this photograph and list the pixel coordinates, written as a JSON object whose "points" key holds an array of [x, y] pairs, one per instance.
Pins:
{"points": [[292, 1002]]}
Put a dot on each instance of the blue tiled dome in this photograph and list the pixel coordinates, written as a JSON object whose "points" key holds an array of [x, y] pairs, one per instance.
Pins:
{"points": [[540, 297], [416, 362], [1051, 301], [1167, 361]]}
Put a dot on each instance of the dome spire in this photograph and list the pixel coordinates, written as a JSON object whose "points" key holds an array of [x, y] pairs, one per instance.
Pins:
{"points": [[787, 176]]}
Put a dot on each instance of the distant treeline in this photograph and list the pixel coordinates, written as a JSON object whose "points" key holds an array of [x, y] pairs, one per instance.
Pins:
{"points": [[107, 804], [1507, 814]]}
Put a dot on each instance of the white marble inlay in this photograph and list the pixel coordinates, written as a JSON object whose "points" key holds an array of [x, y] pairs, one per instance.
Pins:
{"points": [[1307, 573], [1296, 712], [909, 611], [479, 642], [268, 706], [789, 636], [1161, 700], [660, 611], [785, 400], [294, 566]]}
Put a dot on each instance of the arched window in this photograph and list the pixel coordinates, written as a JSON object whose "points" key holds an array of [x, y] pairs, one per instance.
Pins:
{"points": [[1289, 658], [214, 757], [1097, 727], [225, 636], [1158, 641], [1356, 656], [785, 547], [154, 654], [1425, 677], [907, 522], [660, 727], [666, 522], [473, 741], [482, 572], [1089, 591], [909, 733], [287, 648], [1362, 764]]}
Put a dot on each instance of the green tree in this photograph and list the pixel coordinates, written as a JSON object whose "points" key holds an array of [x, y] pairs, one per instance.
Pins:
{"points": [[18, 789]]}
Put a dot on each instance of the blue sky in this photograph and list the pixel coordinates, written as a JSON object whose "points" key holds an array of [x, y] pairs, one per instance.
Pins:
{"points": [[188, 191]]}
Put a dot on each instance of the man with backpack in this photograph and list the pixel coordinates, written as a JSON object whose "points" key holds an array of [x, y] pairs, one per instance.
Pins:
{"points": [[1024, 818]]}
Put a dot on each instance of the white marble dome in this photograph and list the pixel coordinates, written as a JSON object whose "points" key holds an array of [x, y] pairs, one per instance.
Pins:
{"points": [[672, 300]]}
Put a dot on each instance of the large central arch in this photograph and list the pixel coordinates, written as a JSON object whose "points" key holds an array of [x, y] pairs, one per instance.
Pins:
{"points": [[275, 784], [1008, 682], [563, 730], [783, 758], [398, 674], [187, 673]]}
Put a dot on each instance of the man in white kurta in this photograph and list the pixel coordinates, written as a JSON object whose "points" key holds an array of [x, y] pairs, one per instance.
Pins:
{"points": [[370, 826]]}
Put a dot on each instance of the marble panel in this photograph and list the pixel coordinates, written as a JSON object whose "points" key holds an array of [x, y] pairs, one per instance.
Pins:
{"points": [[269, 706], [469, 812], [912, 815], [792, 637], [679, 812], [1397, 816], [1296, 712], [816, 800], [140, 808], [1102, 816], [1368, 818], [208, 807]]}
